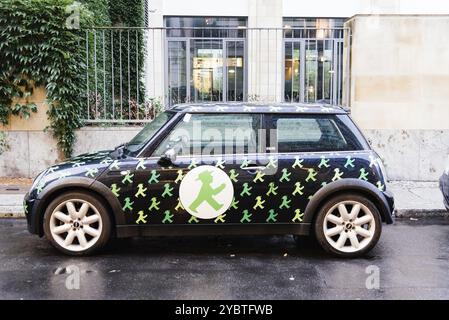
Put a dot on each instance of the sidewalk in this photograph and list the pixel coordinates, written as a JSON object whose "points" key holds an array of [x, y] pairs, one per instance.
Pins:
{"points": [[413, 199]]}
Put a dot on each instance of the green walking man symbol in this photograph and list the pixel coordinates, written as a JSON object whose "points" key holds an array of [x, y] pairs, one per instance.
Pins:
{"points": [[298, 189], [272, 162], [168, 217], [207, 192], [180, 176], [142, 217], [140, 191], [220, 218], [167, 190], [154, 204], [128, 178], [179, 205], [245, 163], [246, 216], [141, 165], [380, 186], [128, 204], [272, 189], [234, 204], [259, 177], [272, 216], [349, 162], [246, 190], [338, 174], [312, 174], [285, 175], [193, 164], [298, 216], [91, 172], [363, 174], [154, 177], [285, 203], [259, 203], [298, 162], [324, 162], [193, 219], [233, 175], [115, 190]]}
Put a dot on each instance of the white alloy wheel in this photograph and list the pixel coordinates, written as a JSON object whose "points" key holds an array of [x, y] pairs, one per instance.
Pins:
{"points": [[76, 225], [349, 226]]}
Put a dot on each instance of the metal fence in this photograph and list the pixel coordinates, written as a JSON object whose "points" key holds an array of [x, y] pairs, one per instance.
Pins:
{"points": [[132, 73]]}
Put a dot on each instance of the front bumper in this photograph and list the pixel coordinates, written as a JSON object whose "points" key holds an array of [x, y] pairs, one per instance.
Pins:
{"points": [[30, 208]]}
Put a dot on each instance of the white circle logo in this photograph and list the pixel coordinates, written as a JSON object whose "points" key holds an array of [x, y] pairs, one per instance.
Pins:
{"points": [[206, 192]]}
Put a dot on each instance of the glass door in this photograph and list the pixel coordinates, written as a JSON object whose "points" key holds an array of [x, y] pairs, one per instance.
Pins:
{"points": [[234, 73]]}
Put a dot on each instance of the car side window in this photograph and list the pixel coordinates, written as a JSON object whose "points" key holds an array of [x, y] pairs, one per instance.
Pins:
{"points": [[212, 134], [312, 133]]}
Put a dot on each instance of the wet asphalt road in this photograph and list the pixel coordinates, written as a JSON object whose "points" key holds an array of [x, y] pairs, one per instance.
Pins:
{"points": [[412, 257]]}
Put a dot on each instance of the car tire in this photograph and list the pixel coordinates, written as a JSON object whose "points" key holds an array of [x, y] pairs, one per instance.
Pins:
{"points": [[77, 223], [348, 225]]}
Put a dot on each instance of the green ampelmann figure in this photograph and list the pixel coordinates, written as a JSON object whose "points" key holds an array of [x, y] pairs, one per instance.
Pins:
{"points": [[142, 217], [245, 163], [78, 164], [168, 217], [91, 172], [285, 175], [193, 164], [312, 174], [234, 204], [220, 164], [324, 162], [179, 206], [154, 178], [246, 216], [298, 216], [141, 164], [141, 191], [40, 187], [380, 186], [53, 169], [115, 165], [298, 162], [259, 177], [180, 176], [167, 190], [220, 218], [272, 162], [115, 190], [363, 174], [128, 204], [259, 203], [337, 174], [272, 189], [233, 175], [298, 189], [207, 192], [128, 178], [349, 162], [285, 203], [154, 204], [246, 190], [272, 216]]}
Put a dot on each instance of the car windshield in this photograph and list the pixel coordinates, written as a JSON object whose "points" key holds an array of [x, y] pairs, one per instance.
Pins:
{"points": [[142, 138]]}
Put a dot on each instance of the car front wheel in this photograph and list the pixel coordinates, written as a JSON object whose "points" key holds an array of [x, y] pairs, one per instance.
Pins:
{"points": [[77, 223], [348, 225]]}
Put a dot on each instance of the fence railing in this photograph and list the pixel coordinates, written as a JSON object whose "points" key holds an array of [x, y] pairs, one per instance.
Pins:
{"points": [[133, 73]]}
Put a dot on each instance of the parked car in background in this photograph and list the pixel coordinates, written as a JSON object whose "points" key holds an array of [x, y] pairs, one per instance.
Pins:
{"points": [[207, 169]]}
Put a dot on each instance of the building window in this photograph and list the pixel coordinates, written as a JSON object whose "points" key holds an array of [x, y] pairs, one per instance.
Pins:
{"points": [[206, 59], [313, 60]]}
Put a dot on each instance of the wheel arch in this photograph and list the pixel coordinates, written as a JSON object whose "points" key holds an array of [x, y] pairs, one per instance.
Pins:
{"points": [[80, 184], [333, 189]]}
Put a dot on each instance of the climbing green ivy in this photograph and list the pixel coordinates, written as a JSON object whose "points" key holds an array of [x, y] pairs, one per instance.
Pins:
{"points": [[37, 49]]}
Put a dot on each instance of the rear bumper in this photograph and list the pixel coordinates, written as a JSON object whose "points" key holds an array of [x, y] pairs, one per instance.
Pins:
{"points": [[389, 198]]}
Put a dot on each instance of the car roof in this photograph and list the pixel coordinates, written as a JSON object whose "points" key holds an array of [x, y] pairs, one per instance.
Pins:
{"points": [[258, 107]]}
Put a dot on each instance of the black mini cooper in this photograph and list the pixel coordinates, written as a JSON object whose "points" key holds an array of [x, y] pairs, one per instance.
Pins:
{"points": [[209, 169]]}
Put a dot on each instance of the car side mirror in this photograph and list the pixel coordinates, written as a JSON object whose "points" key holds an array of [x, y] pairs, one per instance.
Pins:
{"points": [[168, 158]]}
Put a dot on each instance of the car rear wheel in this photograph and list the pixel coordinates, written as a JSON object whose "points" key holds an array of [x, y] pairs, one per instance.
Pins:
{"points": [[77, 223], [348, 225]]}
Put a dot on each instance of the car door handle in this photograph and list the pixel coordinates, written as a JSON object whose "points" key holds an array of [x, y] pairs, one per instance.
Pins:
{"points": [[254, 168]]}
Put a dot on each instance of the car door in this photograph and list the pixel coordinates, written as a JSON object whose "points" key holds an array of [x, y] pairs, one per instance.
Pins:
{"points": [[210, 176]]}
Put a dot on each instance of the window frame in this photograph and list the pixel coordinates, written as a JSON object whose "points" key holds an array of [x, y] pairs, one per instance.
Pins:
{"points": [[340, 123], [149, 152]]}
